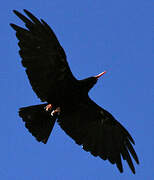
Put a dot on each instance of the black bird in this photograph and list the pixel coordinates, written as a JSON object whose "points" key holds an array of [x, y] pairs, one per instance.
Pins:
{"points": [[67, 98]]}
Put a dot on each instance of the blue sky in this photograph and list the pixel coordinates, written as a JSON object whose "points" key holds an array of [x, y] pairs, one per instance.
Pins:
{"points": [[116, 36]]}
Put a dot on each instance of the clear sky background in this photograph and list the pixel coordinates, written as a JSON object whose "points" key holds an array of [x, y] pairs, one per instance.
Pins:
{"points": [[97, 35]]}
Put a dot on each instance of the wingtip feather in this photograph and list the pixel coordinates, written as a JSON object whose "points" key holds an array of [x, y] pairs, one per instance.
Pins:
{"points": [[32, 17], [22, 17], [15, 11], [13, 26]]}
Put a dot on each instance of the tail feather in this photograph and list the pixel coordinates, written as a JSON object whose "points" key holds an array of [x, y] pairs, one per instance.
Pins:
{"points": [[39, 122]]}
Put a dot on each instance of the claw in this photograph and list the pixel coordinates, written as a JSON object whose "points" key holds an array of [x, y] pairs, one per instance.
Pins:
{"points": [[48, 107], [57, 110]]}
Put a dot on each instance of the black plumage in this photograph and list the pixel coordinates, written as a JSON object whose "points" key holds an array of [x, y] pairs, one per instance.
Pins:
{"points": [[52, 80]]}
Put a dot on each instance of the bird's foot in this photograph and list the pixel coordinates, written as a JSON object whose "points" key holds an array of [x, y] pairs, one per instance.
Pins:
{"points": [[48, 107], [57, 110]]}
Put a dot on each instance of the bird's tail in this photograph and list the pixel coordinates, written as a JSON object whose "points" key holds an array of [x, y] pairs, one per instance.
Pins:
{"points": [[39, 122]]}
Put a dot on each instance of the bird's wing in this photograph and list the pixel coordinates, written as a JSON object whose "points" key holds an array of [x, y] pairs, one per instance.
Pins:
{"points": [[42, 56], [99, 133]]}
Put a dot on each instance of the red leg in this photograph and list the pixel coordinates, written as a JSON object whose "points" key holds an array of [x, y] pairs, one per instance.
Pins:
{"points": [[48, 107]]}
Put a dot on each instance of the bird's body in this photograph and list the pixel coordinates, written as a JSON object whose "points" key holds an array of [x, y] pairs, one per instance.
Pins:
{"points": [[52, 80]]}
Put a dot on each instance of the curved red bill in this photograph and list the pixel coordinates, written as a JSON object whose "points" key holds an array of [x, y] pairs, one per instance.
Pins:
{"points": [[101, 74]]}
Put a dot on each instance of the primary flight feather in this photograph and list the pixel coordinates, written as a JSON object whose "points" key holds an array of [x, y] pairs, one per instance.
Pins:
{"points": [[67, 98]]}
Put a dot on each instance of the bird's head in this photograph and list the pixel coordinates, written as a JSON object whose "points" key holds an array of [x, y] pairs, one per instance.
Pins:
{"points": [[94, 79], [88, 83]]}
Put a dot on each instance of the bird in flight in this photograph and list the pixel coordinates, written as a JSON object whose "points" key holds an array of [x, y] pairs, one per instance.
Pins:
{"points": [[67, 100]]}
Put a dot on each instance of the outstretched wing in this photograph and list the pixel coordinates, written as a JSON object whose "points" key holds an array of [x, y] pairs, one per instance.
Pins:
{"points": [[42, 56], [99, 133]]}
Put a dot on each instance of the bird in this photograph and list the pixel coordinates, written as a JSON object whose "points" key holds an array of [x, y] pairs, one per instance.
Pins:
{"points": [[66, 98]]}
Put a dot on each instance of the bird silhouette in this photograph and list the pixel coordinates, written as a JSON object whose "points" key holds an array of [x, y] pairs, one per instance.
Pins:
{"points": [[67, 100]]}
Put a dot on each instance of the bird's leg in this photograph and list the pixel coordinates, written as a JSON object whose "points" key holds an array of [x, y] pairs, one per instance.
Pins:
{"points": [[48, 107], [57, 110]]}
